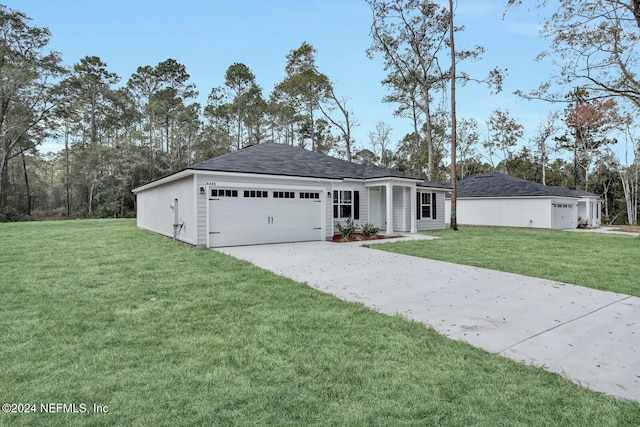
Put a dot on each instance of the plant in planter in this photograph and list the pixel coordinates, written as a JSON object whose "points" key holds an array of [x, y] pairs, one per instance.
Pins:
{"points": [[370, 230], [347, 230]]}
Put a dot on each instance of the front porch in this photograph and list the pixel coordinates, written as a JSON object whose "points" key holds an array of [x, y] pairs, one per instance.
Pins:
{"points": [[589, 211], [392, 207]]}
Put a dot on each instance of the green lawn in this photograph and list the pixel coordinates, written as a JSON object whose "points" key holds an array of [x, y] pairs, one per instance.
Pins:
{"points": [[99, 312], [600, 261]]}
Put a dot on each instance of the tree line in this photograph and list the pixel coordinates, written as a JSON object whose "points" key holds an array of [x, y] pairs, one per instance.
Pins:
{"points": [[119, 134]]}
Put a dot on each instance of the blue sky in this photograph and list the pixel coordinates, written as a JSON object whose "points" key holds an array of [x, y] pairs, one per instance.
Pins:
{"points": [[208, 36]]}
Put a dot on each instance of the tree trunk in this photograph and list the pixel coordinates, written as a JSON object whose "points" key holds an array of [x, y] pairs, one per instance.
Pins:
{"points": [[630, 189], [416, 134], [575, 164], [429, 138], [4, 181], [454, 184], [90, 200], [66, 172], [634, 198], [606, 205], [313, 131], [26, 183]]}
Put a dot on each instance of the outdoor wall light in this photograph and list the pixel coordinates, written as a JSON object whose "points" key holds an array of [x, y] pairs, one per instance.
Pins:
{"points": [[201, 190]]}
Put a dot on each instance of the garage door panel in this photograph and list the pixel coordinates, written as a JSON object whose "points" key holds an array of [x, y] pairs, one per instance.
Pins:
{"points": [[564, 215], [246, 221]]}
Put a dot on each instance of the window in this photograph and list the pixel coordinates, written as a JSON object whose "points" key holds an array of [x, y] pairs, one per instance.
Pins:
{"points": [[309, 195], [284, 195], [254, 194], [346, 203], [426, 206], [224, 193]]}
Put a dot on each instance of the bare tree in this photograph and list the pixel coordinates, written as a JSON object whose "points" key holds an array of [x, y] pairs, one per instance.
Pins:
{"points": [[466, 140], [380, 142], [345, 122], [630, 177], [546, 130]]}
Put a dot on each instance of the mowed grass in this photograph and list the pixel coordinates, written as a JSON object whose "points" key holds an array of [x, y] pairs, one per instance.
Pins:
{"points": [[99, 312], [599, 261]]}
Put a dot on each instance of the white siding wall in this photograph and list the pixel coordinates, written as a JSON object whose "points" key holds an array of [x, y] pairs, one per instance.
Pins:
{"points": [[439, 222], [401, 206], [202, 229], [154, 212], [364, 203], [512, 212]]}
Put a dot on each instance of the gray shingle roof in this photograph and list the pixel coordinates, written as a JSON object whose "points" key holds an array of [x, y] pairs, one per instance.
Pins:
{"points": [[432, 184], [496, 184], [278, 159]]}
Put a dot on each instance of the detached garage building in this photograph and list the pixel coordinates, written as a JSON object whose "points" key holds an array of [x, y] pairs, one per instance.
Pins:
{"points": [[502, 200], [272, 193]]}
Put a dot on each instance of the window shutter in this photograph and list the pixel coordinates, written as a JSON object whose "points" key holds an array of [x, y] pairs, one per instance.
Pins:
{"points": [[356, 205], [418, 206], [433, 205]]}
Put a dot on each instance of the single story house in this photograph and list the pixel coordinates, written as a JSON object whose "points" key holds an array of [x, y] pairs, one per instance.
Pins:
{"points": [[271, 193], [502, 200]]}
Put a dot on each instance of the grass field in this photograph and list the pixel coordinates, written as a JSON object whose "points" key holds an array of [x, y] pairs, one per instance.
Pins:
{"points": [[99, 312], [599, 261]]}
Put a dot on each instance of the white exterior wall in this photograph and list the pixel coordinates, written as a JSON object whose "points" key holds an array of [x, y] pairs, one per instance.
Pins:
{"points": [[511, 212], [439, 222], [364, 203], [155, 212], [400, 209]]}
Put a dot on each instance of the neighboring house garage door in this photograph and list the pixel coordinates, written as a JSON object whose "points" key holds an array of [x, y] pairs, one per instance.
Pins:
{"points": [[251, 216], [564, 215]]}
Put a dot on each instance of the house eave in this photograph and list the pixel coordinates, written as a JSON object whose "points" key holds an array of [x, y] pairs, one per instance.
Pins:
{"points": [[374, 182], [424, 188], [448, 197], [164, 180]]}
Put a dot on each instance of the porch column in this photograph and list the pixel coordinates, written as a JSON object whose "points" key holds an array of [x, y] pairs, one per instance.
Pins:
{"points": [[389, 188], [414, 222], [404, 208]]}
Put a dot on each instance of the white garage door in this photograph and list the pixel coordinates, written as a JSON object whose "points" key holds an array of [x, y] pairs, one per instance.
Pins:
{"points": [[564, 215], [251, 216]]}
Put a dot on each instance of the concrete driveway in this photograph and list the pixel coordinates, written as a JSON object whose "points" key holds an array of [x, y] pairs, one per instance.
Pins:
{"points": [[591, 337]]}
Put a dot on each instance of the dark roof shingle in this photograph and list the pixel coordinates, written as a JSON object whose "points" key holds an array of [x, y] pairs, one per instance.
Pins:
{"points": [[496, 184], [278, 159]]}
